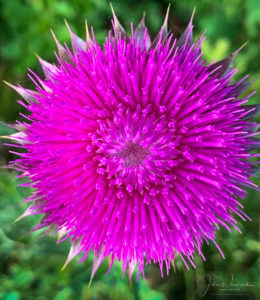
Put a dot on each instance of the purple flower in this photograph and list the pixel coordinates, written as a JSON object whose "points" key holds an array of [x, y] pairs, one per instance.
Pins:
{"points": [[136, 149]]}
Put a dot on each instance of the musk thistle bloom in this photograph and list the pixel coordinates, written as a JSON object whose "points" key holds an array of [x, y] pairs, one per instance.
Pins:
{"points": [[136, 149]]}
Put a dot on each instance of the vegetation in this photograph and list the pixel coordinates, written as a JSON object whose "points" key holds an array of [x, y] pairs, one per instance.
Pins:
{"points": [[30, 267]]}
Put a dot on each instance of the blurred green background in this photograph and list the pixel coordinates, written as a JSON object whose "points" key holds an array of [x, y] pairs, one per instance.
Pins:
{"points": [[30, 267]]}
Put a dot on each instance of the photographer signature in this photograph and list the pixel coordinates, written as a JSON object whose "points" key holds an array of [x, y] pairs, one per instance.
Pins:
{"points": [[232, 285]]}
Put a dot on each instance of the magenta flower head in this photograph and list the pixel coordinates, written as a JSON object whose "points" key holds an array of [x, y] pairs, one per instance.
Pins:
{"points": [[136, 149]]}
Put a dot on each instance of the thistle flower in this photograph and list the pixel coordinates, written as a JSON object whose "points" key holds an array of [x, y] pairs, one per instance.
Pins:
{"points": [[137, 149]]}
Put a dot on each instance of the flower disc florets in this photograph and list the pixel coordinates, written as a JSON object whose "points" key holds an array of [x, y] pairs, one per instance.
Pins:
{"points": [[137, 149]]}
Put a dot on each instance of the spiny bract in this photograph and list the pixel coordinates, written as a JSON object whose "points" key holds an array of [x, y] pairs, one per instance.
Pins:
{"points": [[138, 149]]}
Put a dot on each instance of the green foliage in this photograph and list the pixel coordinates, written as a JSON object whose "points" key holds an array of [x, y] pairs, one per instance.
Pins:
{"points": [[30, 267]]}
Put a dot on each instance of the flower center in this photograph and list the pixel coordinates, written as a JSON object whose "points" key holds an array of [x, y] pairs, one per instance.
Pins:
{"points": [[136, 149], [134, 154]]}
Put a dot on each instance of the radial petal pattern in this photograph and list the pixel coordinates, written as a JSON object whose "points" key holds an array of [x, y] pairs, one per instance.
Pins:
{"points": [[136, 149]]}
